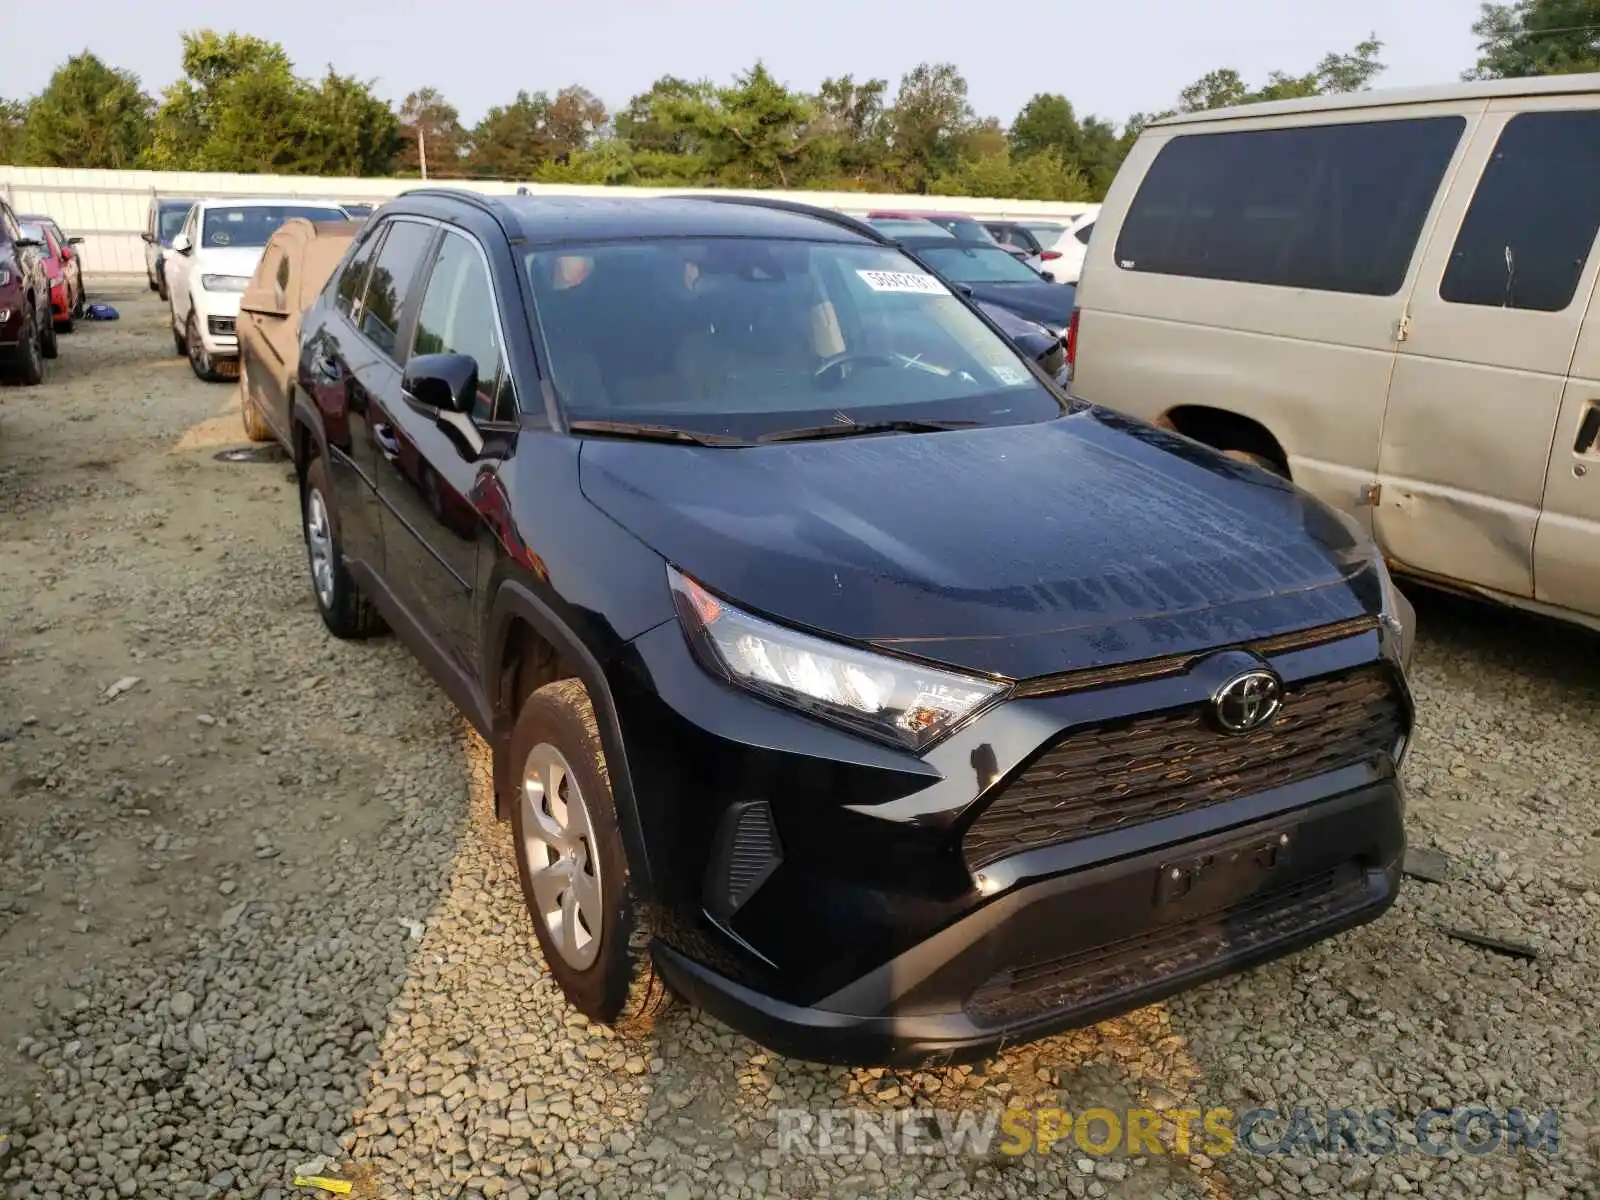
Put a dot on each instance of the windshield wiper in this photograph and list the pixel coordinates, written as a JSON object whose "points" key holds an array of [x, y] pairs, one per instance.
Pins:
{"points": [[655, 433], [854, 429]]}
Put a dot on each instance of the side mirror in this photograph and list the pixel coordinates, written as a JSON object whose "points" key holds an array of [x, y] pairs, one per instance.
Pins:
{"points": [[181, 244], [148, 237], [1048, 276], [446, 384], [74, 241]]}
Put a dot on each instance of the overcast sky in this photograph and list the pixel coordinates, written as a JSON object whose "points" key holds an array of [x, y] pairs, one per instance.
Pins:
{"points": [[1110, 57]]}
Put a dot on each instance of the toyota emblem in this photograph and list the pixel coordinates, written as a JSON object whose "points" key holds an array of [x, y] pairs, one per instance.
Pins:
{"points": [[1247, 701]]}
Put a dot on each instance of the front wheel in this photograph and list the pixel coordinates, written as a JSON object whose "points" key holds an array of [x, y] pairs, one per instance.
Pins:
{"points": [[30, 359], [49, 344], [200, 360], [572, 865], [255, 426]]}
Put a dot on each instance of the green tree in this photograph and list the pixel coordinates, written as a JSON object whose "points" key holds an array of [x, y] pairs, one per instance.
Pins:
{"points": [[1047, 122], [13, 114], [643, 123], [510, 142], [930, 116], [753, 132], [89, 115], [573, 120], [429, 123], [1537, 37], [849, 132], [348, 130], [237, 107], [1352, 72]]}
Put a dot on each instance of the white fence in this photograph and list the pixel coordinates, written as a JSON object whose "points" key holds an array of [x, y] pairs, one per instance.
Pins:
{"points": [[110, 208]]}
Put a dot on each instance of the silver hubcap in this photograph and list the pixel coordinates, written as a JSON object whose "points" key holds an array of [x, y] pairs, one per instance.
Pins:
{"points": [[319, 542], [563, 869], [197, 349]]}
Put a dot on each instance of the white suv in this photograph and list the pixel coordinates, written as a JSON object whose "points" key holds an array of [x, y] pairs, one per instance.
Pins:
{"points": [[211, 260]]}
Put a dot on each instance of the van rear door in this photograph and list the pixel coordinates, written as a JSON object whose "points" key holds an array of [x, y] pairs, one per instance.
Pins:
{"points": [[1486, 347]]}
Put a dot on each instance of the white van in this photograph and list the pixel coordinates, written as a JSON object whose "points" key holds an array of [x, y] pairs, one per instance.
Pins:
{"points": [[1388, 297]]}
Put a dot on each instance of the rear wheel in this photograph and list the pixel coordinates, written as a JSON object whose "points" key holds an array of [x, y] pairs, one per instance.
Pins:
{"points": [[49, 346], [255, 426], [572, 865], [180, 344], [67, 323], [345, 611], [151, 279]]}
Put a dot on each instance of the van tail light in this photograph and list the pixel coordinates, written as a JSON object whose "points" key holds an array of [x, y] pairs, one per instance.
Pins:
{"points": [[1050, 255], [1072, 342]]}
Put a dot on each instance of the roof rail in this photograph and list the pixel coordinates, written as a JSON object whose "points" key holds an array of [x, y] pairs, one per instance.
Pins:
{"points": [[833, 217], [489, 204]]}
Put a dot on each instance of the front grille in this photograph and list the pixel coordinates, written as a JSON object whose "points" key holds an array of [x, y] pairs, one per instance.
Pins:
{"points": [[1140, 769], [220, 325], [1104, 973]]}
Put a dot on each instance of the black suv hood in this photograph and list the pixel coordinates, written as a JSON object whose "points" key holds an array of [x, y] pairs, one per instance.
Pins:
{"points": [[1043, 302], [1019, 550]]}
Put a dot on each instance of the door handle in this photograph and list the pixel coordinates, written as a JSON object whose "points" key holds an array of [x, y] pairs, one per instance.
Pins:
{"points": [[1588, 429]]}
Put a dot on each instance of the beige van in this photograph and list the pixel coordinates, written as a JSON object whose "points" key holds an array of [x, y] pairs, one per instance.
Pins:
{"points": [[1388, 297]]}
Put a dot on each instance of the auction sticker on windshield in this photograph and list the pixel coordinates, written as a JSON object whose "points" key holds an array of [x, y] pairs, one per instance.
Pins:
{"points": [[903, 281]]}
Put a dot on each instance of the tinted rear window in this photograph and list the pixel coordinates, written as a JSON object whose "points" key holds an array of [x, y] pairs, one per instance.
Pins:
{"points": [[1335, 208], [1527, 236]]}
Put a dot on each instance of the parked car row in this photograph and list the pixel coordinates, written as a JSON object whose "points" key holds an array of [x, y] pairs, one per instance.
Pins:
{"points": [[842, 673], [201, 262], [42, 291]]}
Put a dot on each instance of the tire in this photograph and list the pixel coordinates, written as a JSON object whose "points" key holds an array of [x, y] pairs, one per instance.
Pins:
{"points": [[49, 344], [180, 344], [151, 279], [345, 611], [29, 363], [610, 977], [255, 426], [78, 305], [66, 324], [200, 360], [161, 288]]}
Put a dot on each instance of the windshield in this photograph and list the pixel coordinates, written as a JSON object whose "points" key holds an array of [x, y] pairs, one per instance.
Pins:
{"points": [[172, 218], [747, 336], [965, 227], [977, 264], [254, 224]]}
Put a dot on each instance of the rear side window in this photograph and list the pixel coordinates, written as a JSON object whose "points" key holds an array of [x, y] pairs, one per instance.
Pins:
{"points": [[353, 279], [1335, 208], [1533, 219], [1083, 231], [392, 274]]}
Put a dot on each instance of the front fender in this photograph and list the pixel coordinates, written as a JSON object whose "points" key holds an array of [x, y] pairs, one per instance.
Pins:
{"points": [[516, 600]]}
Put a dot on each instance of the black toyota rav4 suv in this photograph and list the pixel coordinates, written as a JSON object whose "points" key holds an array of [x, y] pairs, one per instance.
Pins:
{"points": [[842, 674]]}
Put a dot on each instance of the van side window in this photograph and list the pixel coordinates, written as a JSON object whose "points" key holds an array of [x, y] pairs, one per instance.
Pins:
{"points": [[1335, 208], [1532, 223]]}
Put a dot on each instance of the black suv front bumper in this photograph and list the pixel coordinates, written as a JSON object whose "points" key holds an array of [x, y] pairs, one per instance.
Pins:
{"points": [[1077, 948]]}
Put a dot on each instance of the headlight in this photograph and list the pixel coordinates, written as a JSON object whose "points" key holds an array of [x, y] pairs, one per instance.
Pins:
{"points": [[223, 283], [904, 703]]}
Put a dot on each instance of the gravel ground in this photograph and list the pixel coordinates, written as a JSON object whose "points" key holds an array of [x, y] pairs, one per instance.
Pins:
{"points": [[256, 918]]}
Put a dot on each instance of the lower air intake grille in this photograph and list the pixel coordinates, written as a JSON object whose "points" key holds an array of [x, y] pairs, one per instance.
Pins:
{"points": [[748, 853], [1106, 972]]}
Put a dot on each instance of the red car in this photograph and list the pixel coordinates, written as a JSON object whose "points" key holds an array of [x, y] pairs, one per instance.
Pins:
{"points": [[63, 264]]}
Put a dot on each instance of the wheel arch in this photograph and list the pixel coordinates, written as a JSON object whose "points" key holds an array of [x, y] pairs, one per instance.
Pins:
{"points": [[1224, 429], [527, 646]]}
